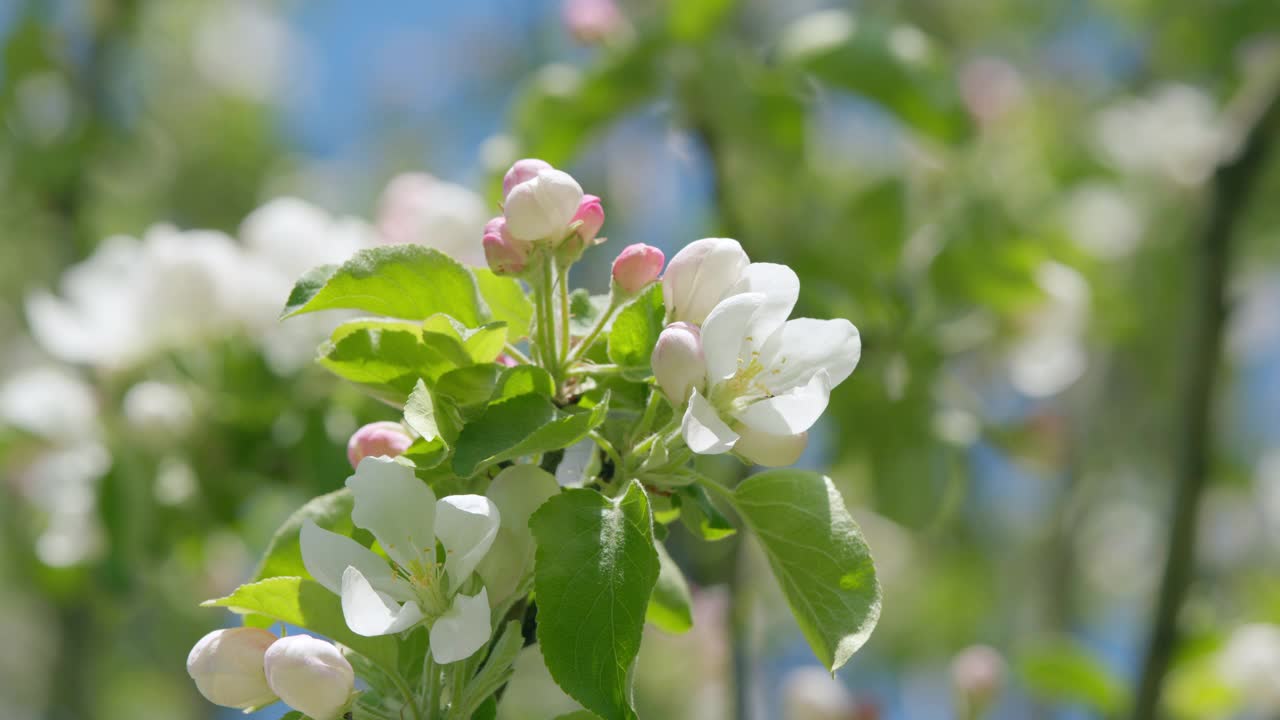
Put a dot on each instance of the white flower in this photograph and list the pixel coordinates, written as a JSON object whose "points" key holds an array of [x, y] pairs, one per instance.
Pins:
{"points": [[543, 207], [51, 402], [418, 208], [227, 667], [517, 491], [407, 520], [310, 675], [811, 693], [158, 408], [768, 378]]}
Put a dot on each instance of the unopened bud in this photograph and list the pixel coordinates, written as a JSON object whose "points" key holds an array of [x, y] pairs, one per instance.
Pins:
{"points": [[310, 675], [379, 438], [505, 254], [227, 667], [543, 206], [699, 276], [521, 171], [590, 21], [678, 363], [977, 672], [636, 267]]}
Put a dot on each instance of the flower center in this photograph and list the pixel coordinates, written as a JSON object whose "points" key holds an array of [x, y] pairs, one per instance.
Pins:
{"points": [[731, 396]]}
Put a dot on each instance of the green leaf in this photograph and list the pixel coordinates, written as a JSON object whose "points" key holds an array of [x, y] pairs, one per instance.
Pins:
{"points": [[635, 331], [862, 59], [1063, 671], [524, 380], [670, 607], [283, 556], [309, 605], [522, 425], [594, 573], [701, 516], [420, 412], [387, 361], [293, 715], [507, 302], [411, 282], [695, 19], [818, 555], [468, 386], [579, 715], [585, 310]]}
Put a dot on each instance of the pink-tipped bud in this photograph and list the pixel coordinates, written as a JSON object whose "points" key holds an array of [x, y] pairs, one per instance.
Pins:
{"points": [[505, 254], [522, 170], [506, 360], [636, 267], [678, 363], [379, 438], [590, 21], [977, 673], [310, 675], [591, 213]]}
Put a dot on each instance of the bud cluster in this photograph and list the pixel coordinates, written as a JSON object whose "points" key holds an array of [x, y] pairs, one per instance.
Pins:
{"points": [[247, 668]]}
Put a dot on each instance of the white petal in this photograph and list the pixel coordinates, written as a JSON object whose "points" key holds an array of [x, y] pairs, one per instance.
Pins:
{"points": [[699, 276], [704, 432], [794, 411], [804, 346], [780, 286], [543, 206], [327, 555], [371, 613], [397, 507], [770, 450], [466, 526], [517, 491], [726, 336], [462, 630]]}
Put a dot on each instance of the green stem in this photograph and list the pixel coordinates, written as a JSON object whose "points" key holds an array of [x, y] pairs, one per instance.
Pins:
{"points": [[564, 312], [430, 686], [548, 331], [716, 489], [608, 448], [515, 353], [405, 691], [592, 336], [603, 369], [650, 412]]}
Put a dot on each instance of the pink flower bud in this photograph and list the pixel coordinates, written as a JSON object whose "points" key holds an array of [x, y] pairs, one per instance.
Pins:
{"points": [[590, 21], [379, 438], [227, 667], [591, 213], [506, 255], [977, 672], [521, 171], [678, 363], [506, 360], [636, 267], [543, 207]]}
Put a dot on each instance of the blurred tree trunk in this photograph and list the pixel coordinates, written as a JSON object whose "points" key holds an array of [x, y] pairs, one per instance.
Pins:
{"points": [[1231, 187]]}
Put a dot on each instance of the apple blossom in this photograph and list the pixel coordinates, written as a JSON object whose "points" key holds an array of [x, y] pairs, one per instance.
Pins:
{"points": [[419, 208], [678, 362], [310, 675], [636, 267], [505, 254], [768, 378], [377, 438], [227, 667], [543, 206], [517, 492], [590, 21], [1249, 663], [403, 514]]}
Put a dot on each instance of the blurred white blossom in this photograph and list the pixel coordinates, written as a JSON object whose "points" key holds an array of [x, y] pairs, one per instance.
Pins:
{"points": [[421, 209], [1103, 220], [810, 693], [1050, 354], [49, 401], [1250, 663], [1175, 133]]}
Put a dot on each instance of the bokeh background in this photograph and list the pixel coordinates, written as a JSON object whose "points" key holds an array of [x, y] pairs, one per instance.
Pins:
{"points": [[1029, 209]]}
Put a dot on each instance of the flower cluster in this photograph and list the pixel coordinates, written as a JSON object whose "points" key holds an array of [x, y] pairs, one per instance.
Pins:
{"points": [[544, 431]]}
